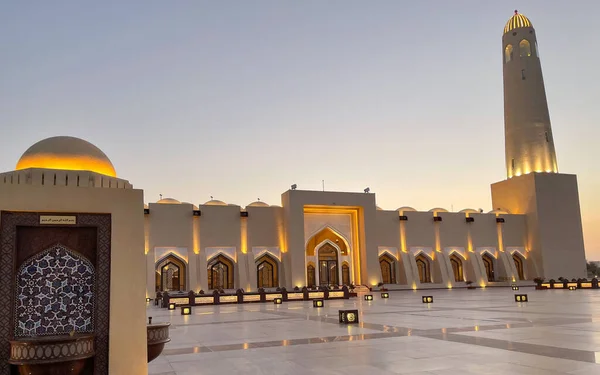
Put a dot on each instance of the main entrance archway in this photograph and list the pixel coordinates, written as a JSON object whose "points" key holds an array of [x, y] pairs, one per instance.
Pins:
{"points": [[170, 274], [328, 265]]}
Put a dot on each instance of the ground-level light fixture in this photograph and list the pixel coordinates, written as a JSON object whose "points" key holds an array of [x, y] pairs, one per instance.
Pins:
{"points": [[186, 310], [427, 299]]}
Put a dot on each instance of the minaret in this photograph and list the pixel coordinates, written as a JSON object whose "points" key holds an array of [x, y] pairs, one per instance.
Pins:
{"points": [[528, 136]]}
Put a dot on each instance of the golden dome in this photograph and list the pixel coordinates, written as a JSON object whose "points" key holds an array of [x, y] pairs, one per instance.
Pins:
{"points": [[66, 153], [517, 21]]}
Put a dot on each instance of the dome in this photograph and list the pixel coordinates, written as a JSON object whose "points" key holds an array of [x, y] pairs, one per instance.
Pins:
{"points": [[516, 22], [499, 211], [406, 209], [378, 208], [168, 201], [468, 211], [258, 204], [66, 153], [214, 202], [438, 209], [193, 205]]}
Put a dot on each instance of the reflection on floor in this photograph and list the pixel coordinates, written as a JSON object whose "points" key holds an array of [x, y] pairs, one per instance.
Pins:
{"points": [[464, 332]]}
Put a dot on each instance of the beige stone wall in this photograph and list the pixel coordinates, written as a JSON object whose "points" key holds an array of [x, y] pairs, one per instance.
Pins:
{"points": [[550, 203], [127, 330]]}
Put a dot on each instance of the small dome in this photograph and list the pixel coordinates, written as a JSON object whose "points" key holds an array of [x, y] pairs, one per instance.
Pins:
{"points": [[145, 206], [66, 153], [406, 209], [258, 204], [499, 211], [468, 211], [168, 201], [438, 209], [214, 202], [379, 208], [193, 205], [517, 21]]}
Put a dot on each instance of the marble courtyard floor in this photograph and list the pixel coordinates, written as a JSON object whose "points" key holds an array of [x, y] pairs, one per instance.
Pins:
{"points": [[463, 332]]}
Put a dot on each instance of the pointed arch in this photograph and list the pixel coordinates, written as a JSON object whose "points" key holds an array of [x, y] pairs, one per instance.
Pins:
{"points": [[327, 233], [220, 272], [267, 271], [423, 267], [524, 48], [508, 53], [387, 264], [457, 266], [170, 273], [488, 263], [519, 264]]}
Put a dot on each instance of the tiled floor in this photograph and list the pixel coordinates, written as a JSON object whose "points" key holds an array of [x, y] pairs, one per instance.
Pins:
{"points": [[463, 332]]}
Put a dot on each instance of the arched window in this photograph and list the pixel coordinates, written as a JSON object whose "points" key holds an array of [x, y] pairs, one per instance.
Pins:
{"points": [[310, 275], [220, 273], [508, 53], [266, 272], [488, 263], [424, 269], [388, 269], [328, 265], [519, 265], [345, 274], [170, 274], [457, 267], [524, 48]]}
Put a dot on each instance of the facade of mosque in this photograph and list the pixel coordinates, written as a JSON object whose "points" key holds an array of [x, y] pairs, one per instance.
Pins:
{"points": [[332, 238]]}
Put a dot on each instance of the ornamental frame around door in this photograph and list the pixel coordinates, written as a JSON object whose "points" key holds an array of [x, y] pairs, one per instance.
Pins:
{"points": [[9, 221]]}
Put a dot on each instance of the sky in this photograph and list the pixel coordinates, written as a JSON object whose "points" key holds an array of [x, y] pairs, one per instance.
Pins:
{"points": [[240, 99]]}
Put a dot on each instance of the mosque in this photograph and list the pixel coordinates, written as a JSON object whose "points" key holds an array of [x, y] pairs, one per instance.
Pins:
{"points": [[325, 238]]}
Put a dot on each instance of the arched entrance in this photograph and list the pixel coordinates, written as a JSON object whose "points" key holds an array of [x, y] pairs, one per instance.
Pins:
{"points": [[457, 267], [328, 265], [170, 274], [220, 273], [519, 265], [488, 263], [267, 272], [424, 268], [388, 269]]}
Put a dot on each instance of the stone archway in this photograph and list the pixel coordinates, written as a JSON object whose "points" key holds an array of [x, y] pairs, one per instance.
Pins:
{"points": [[171, 273]]}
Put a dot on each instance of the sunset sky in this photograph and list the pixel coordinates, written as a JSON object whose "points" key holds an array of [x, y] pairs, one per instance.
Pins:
{"points": [[240, 99]]}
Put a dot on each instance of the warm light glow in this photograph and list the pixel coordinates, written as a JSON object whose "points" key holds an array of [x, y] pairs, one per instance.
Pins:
{"points": [[354, 212], [414, 285], [67, 162], [449, 285], [517, 21], [244, 235], [196, 234]]}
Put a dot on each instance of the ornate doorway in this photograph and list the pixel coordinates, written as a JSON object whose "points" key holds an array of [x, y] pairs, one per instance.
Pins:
{"points": [[220, 273], [488, 263], [328, 265], [519, 265], [170, 274], [266, 272], [457, 268]]}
